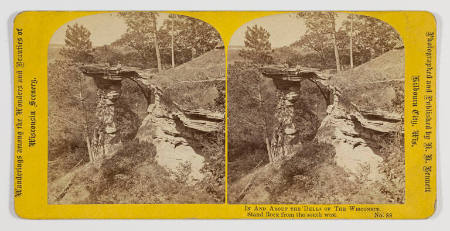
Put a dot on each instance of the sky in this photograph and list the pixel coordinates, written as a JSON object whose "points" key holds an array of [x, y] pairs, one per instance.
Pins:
{"points": [[105, 28], [284, 29]]}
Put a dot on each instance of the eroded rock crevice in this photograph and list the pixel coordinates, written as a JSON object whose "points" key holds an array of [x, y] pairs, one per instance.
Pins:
{"points": [[172, 129], [341, 126], [105, 141], [285, 139]]}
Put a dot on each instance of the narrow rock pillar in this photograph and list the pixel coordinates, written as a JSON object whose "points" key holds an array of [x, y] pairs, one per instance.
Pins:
{"points": [[105, 142], [106, 139], [285, 140]]}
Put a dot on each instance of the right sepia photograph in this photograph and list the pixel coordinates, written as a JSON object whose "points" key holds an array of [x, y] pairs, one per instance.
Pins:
{"points": [[316, 111]]}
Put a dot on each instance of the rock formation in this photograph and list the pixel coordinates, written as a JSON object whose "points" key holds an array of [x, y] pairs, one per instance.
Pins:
{"points": [[353, 153], [339, 127], [105, 142], [285, 138], [168, 126]]}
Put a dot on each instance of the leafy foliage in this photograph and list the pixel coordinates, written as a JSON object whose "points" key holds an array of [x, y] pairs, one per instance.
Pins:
{"points": [[370, 38], [321, 27], [191, 38], [213, 149], [132, 176], [250, 119], [306, 160], [142, 35], [193, 34]]}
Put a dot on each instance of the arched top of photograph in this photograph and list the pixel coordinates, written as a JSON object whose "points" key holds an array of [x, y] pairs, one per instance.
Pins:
{"points": [[131, 39], [312, 98], [319, 39], [139, 96]]}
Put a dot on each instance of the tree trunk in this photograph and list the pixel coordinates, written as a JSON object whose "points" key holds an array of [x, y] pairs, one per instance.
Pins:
{"points": [[266, 136], [351, 41], [155, 41], [173, 53], [88, 143], [323, 57], [336, 52], [269, 150], [193, 52], [86, 126]]}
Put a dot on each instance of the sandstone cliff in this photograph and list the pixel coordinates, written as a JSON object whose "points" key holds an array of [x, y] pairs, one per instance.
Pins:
{"points": [[363, 117]]}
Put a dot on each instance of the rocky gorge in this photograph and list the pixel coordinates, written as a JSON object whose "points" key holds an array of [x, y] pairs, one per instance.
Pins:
{"points": [[362, 121]]}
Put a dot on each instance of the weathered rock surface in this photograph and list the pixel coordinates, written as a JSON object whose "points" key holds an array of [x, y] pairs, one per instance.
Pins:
{"points": [[166, 125], [353, 153], [371, 97], [173, 150], [285, 138], [363, 106], [200, 120], [338, 128], [104, 142]]}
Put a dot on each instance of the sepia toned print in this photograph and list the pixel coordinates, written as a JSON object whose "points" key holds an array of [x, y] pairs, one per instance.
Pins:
{"points": [[136, 110], [316, 110]]}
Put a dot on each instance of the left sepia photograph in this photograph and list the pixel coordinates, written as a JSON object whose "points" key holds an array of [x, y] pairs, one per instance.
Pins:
{"points": [[136, 104]]}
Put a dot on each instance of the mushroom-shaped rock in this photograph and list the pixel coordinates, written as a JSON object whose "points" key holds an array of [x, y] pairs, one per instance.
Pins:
{"points": [[108, 82], [285, 138]]}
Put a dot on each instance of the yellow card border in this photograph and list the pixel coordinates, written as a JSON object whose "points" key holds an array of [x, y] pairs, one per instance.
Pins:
{"points": [[30, 164]]}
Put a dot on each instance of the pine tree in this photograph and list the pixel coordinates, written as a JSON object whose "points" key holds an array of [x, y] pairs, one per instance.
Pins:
{"points": [[257, 45], [78, 46]]}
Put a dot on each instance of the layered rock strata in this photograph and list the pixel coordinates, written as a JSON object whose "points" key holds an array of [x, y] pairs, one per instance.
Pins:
{"points": [[173, 150], [105, 142], [338, 128], [169, 127], [285, 138]]}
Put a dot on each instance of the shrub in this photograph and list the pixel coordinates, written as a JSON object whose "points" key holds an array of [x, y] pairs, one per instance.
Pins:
{"points": [[131, 154], [214, 169], [133, 176], [306, 160], [394, 168]]}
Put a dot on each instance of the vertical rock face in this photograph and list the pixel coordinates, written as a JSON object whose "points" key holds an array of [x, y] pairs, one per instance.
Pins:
{"points": [[173, 150], [340, 127], [165, 125], [352, 152], [285, 138], [105, 142]]}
